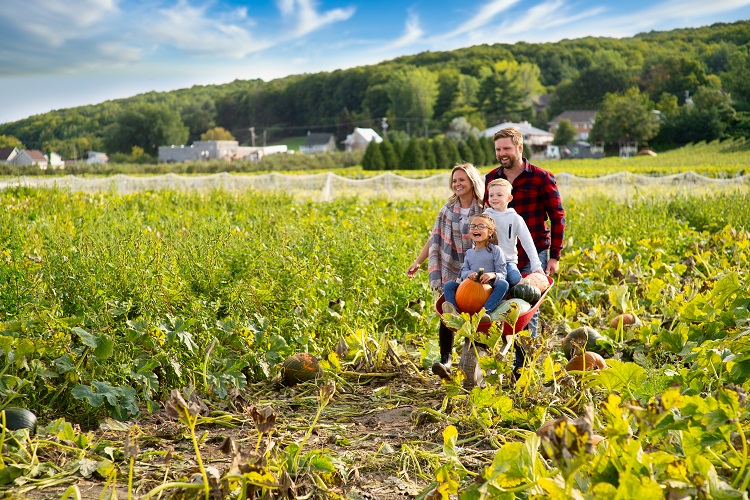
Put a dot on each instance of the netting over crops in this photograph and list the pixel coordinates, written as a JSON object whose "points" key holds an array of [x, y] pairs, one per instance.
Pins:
{"points": [[329, 186]]}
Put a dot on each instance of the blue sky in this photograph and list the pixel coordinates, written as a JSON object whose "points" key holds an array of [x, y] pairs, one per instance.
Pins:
{"points": [[62, 53]]}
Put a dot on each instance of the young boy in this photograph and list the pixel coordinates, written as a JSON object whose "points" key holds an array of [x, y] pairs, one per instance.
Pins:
{"points": [[510, 228]]}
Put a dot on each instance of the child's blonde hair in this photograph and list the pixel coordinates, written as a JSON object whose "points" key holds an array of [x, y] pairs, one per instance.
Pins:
{"points": [[490, 223], [503, 183]]}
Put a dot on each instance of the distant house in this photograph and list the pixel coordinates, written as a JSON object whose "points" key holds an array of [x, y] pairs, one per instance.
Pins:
{"points": [[318, 143], [582, 121], [535, 138], [360, 138], [7, 154], [216, 150], [32, 157], [96, 157], [55, 160]]}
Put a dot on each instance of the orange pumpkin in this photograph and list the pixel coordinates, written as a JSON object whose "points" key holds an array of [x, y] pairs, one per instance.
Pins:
{"points": [[300, 367], [627, 320], [471, 294], [592, 360]]}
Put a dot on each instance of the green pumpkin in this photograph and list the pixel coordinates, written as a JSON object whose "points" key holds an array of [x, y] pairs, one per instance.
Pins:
{"points": [[527, 292], [579, 337], [300, 367], [19, 418], [523, 307]]}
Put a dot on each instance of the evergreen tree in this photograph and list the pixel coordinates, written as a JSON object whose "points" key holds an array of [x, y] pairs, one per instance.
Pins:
{"points": [[467, 155], [441, 156], [376, 160], [390, 157], [367, 158], [489, 150], [476, 150], [565, 133], [430, 160], [413, 156], [451, 153]]}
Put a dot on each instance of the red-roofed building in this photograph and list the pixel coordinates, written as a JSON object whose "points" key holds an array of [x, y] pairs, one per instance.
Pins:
{"points": [[31, 157], [7, 154]]}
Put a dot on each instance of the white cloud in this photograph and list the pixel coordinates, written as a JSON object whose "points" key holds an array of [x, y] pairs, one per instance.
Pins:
{"points": [[307, 18], [55, 21], [412, 34], [194, 30], [484, 16]]}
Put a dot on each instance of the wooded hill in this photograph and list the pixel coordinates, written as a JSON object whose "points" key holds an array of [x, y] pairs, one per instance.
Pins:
{"points": [[422, 95]]}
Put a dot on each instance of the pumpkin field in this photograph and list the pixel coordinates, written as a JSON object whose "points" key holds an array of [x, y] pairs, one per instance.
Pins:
{"points": [[147, 333]]}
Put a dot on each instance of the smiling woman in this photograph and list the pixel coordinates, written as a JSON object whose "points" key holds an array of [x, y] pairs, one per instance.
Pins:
{"points": [[448, 244]]}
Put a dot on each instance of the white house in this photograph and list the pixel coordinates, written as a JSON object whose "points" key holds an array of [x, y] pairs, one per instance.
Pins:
{"points": [[55, 160], [535, 138], [31, 157], [360, 138], [96, 157], [7, 154]]}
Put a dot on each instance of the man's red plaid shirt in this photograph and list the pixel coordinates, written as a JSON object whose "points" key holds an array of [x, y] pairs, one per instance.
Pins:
{"points": [[536, 199]]}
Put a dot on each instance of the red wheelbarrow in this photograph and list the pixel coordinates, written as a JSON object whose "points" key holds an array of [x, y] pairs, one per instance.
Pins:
{"points": [[468, 362], [521, 323]]}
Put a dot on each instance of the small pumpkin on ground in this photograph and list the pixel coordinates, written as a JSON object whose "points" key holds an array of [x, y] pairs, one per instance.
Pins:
{"points": [[527, 292], [627, 319], [472, 294], [300, 367], [591, 360], [19, 418], [573, 342], [539, 280]]}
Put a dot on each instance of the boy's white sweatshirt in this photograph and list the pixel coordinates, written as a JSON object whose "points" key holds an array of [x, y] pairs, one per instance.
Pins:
{"points": [[511, 228]]}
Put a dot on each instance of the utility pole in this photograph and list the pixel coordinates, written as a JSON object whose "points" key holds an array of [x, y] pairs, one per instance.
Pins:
{"points": [[384, 125], [252, 136]]}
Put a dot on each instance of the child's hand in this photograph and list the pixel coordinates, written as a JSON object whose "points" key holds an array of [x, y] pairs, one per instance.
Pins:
{"points": [[487, 277], [472, 276]]}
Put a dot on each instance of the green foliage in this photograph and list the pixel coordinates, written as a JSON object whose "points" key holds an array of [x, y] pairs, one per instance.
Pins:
{"points": [[217, 134], [8, 141], [565, 133], [626, 117], [147, 126]]}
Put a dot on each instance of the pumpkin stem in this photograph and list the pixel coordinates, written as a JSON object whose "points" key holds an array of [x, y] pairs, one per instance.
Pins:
{"points": [[480, 273]]}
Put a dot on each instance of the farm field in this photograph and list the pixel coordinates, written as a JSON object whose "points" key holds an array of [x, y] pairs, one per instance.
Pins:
{"points": [[146, 331]]}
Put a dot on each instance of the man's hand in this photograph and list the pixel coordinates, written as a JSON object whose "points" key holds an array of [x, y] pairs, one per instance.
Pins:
{"points": [[552, 266]]}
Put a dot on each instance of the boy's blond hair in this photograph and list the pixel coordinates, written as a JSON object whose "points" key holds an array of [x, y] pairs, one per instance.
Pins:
{"points": [[507, 186]]}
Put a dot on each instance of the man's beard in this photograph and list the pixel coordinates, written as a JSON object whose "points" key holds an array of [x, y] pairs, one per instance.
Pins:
{"points": [[513, 161]]}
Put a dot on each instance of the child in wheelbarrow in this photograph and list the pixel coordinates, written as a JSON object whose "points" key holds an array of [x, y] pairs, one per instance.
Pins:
{"points": [[486, 255]]}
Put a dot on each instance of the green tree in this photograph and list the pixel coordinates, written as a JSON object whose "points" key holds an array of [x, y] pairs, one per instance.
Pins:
{"points": [[146, 125], [674, 74], [467, 155], [736, 78], [217, 134], [441, 156], [413, 156], [476, 151], [506, 92], [430, 160], [565, 133], [625, 117], [8, 141], [390, 157], [412, 93], [368, 162], [451, 152], [199, 115]]}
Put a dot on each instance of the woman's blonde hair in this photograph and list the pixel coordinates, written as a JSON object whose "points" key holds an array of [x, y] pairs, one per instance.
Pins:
{"points": [[477, 181], [490, 223]]}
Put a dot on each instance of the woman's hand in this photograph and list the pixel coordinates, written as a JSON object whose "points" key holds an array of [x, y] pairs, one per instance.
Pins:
{"points": [[412, 270]]}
